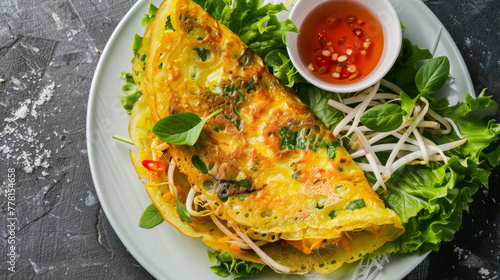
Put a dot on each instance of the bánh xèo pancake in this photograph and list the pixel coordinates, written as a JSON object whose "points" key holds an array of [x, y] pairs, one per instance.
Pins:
{"points": [[264, 166]]}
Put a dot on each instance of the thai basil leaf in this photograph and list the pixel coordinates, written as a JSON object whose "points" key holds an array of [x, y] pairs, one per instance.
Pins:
{"points": [[150, 217], [182, 128], [182, 211], [383, 118], [432, 75], [199, 164]]}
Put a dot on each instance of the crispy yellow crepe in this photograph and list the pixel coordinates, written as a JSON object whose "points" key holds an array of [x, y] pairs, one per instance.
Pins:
{"points": [[275, 173]]}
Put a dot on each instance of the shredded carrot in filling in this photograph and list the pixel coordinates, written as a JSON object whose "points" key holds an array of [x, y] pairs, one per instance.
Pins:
{"points": [[224, 239], [344, 242], [380, 233], [166, 197], [316, 243], [301, 245], [235, 247], [227, 238]]}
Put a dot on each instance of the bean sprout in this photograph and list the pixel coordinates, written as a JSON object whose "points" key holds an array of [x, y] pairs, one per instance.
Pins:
{"points": [[272, 263]]}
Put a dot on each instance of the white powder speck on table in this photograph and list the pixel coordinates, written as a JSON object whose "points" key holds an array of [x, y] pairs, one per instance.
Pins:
{"points": [[20, 136], [20, 113], [461, 253], [484, 271]]}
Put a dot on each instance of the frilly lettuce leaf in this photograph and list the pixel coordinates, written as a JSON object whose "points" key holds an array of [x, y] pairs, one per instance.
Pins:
{"points": [[430, 199], [152, 9], [131, 91], [283, 68], [226, 264], [474, 121], [136, 44]]}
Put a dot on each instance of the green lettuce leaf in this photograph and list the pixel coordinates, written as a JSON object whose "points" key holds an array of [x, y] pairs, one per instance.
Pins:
{"points": [[225, 264], [283, 68], [131, 91], [430, 199], [152, 9], [317, 100], [136, 44], [474, 119]]}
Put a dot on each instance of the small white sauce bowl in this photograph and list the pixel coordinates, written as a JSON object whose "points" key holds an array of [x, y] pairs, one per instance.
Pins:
{"points": [[392, 44]]}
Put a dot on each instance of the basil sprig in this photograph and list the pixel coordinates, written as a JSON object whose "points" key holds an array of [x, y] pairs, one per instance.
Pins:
{"points": [[182, 211], [429, 79], [182, 128], [150, 217], [432, 75]]}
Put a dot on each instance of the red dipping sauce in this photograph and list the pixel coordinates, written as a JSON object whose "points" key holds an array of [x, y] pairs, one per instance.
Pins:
{"points": [[341, 42]]}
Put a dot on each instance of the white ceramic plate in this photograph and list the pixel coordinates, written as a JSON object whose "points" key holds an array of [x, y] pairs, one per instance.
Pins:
{"points": [[163, 251]]}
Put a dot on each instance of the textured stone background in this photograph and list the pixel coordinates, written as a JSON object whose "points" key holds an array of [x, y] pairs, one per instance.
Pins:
{"points": [[48, 51]]}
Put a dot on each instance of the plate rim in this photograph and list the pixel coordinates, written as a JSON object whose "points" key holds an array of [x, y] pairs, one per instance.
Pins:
{"points": [[137, 254]]}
